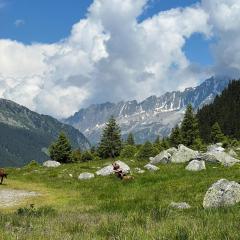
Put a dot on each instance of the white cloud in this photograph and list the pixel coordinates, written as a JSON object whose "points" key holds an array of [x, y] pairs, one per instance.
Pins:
{"points": [[225, 19], [109, 55]]}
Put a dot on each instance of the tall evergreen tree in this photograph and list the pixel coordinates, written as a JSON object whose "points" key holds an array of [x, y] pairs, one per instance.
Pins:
{"points": [[130, 139], [216, 133], [61, 150], [189, 127], [110, 144], [176, 136]]}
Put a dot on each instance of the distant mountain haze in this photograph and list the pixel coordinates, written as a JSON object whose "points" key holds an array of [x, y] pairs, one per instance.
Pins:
{"points": [[152, 117]]}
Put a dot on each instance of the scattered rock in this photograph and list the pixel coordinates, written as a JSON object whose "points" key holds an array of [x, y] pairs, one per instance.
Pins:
{"points": [[51, 164], [207, 157], [139, 170], [70, 175], [215, 148], [196, 165], [180, 205], [86, 176], [222, 193], [171, 150], [108, 170], [232, 153], [163, 157], [151, 167], [225, 159], [183, 154]]}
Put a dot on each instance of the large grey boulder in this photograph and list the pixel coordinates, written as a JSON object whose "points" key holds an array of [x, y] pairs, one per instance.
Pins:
{"points": [[232, 153], [207, 157], [183, 154], [215, 148], [51, 164], [196, 165], [151, 167], [108, 170], [86, 176], [179, 205], [225, 159], [171, 151], [222, 193], [163, 157]]}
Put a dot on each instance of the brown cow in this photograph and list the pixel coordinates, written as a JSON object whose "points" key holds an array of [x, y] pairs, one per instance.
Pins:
{"points": [[3, 174]]}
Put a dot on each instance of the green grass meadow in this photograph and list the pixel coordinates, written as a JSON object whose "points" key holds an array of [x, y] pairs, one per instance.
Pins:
{"points": [[108, 208]]}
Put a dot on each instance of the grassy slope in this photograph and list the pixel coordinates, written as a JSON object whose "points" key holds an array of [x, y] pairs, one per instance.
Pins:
{"points": [[107, 208]]}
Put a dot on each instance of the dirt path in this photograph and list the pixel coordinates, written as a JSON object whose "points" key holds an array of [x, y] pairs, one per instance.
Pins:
{"points": [[10, 197]]}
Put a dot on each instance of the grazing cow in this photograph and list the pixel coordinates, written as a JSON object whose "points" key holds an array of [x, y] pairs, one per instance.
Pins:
{"points": [[2, 175]]}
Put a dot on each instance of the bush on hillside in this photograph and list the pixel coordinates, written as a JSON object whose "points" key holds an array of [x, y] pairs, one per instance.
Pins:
{"points": [[147, 150], [128, 151]]}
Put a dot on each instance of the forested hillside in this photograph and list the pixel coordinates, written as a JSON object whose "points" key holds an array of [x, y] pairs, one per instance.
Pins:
{"points": [[25, 135], [225, 110]]}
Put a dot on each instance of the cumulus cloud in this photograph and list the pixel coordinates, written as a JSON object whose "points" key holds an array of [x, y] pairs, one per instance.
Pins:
{"points": [[111, 56], [225, 20]]}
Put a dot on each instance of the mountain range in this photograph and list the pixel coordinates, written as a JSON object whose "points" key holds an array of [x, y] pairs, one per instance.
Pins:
{"points": [[26, 135], [155, 116]]}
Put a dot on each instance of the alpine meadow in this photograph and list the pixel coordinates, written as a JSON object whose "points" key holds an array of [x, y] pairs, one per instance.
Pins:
{"points": [[120, 120]]}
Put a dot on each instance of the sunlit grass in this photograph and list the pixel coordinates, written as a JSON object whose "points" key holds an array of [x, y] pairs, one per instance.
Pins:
{"points": [[108, 208]]}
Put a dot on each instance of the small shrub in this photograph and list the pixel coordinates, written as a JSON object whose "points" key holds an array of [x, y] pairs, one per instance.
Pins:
{"points": [[35, 212], [146, 151], [128, 151], [33, 164], [86, 156]]}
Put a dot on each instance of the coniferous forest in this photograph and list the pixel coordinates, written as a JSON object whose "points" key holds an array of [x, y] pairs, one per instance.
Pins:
{"points": [[225, 110]]}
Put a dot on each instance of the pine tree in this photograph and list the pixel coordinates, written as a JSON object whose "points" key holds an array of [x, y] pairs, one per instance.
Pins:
{"points": [[130, 139], [216, 133], [175, 137], [110, 144], [189, 127], [147, 150], [61, 150]]}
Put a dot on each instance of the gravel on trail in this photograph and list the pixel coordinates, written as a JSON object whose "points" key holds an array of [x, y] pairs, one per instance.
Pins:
{"points": [[11, 197]]}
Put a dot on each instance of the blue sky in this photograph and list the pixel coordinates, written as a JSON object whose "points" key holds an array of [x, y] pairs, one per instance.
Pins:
{"points": [[48, 21]]}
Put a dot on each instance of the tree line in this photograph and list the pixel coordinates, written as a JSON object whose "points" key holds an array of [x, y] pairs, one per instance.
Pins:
{"points": [[217, 122]]}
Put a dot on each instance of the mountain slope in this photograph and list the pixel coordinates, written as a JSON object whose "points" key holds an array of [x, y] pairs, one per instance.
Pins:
{"points": [[225, 110], [154, 116], [25, 135]]}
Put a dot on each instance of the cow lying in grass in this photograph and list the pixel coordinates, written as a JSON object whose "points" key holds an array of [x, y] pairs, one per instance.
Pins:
{"points": [[2, 175], [119, 172]]}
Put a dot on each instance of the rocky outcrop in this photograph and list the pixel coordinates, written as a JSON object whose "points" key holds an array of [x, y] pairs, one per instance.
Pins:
{"points": [[86, 176], [207, 157], [151, 167], [215, 148], [222, 193], [183, 154], [225, 159], [196, 165], [108, 170], [180, 205], [232, 153], [51, 164], [163, 157]]}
